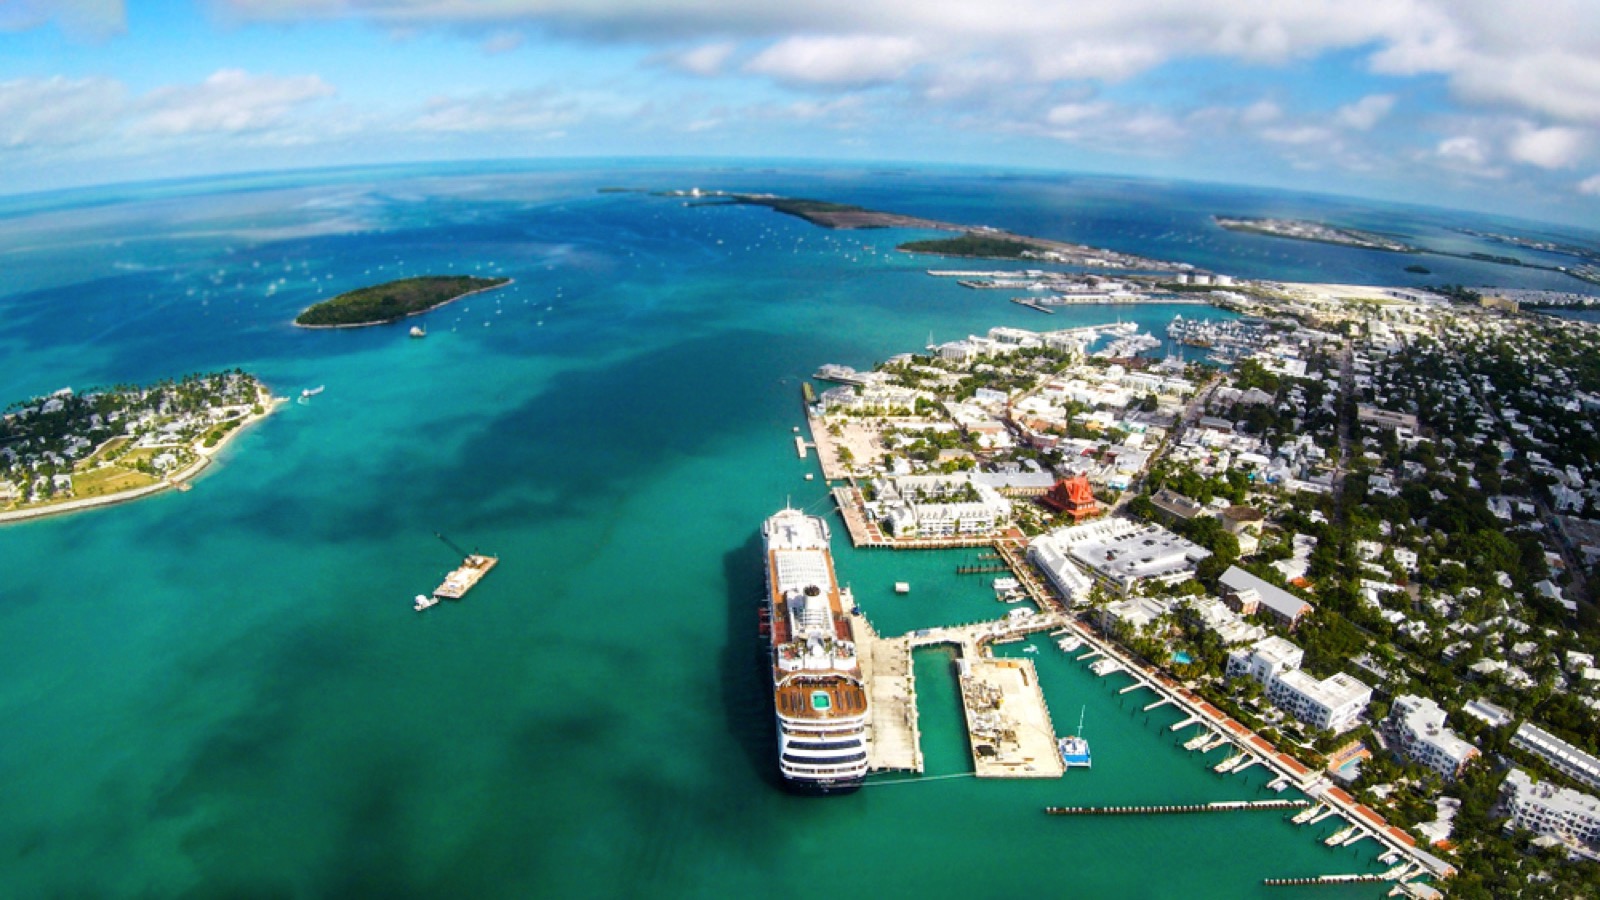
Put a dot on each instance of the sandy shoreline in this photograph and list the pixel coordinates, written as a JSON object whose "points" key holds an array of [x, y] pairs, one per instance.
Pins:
{"points": [[493, 287], [270, 405]]}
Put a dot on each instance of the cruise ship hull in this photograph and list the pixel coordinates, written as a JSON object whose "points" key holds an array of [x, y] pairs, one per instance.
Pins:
{"points": [[819, 699]]}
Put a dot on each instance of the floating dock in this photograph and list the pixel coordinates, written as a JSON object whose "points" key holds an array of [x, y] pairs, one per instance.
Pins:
{"points": [[466, 577]]}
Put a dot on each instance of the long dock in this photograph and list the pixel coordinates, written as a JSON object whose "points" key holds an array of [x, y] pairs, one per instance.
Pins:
{"points": [[1219, 806]]}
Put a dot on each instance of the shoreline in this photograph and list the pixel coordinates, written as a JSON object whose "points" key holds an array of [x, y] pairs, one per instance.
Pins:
{"points": [[203, 459], [493, 287]]}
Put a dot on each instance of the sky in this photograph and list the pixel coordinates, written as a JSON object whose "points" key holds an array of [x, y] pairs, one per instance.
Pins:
{"points": [[1474, 104]]}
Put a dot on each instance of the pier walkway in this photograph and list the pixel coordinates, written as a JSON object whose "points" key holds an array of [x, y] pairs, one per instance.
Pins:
{"points": [[894, 737]]}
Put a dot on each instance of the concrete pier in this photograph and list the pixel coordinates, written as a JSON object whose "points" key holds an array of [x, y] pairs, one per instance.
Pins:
{"points": [[894, 738], [1008, 724], [1136, 686], [1185, 723], [1163, 701]]}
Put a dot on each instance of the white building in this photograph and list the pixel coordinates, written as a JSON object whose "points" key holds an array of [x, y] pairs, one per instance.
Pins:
{"points": [[1417, 725], [1230, 627], [1562, 756], [1123, 553], [1549, 810], [1334, 703], [939, 506], [1052, 559]]}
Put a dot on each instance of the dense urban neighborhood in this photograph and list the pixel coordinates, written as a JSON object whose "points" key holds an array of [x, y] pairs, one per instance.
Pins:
{"points": [[1365, 524]]}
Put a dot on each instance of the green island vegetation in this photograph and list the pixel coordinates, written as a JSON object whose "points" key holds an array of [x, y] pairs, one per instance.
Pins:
{"points": [[971, 244], [393, 300], [70, 446], [810, 210]]}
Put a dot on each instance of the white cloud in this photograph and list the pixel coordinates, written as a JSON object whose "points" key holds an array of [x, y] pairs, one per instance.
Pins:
{"points": [[1298, 134], [1366, 112], [1261, 112], [503, 41], [229, 101], [79, 18], [852, 61], [706, 59], [1543, 60], [1590, 186], [525, 111], [1549, 148], [1070, 114], [1464, 149], [57, 111]]}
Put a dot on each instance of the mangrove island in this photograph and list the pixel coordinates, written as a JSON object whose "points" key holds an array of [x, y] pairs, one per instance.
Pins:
{"points": [[394, 300]]}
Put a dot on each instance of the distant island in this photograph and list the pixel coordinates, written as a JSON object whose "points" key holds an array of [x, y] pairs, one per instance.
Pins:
{"points": [[981, 242], [1317, 232], [72, 451], [393, 300], [1321, 233]]}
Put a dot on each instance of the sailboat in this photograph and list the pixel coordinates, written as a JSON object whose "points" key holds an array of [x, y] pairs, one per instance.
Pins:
{"points": [[1075, 749]]}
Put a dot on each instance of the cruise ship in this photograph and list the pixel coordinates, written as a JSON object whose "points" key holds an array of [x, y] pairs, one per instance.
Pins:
{"points": [[816, 679]]}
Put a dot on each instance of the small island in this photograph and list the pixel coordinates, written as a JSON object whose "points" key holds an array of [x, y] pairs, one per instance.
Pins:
{"points": [[973, 241], [72, 451], [394, 300], [992, 243]]}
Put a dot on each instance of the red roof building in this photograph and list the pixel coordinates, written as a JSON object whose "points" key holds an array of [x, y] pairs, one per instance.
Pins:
{"points": [[1073, 497]]}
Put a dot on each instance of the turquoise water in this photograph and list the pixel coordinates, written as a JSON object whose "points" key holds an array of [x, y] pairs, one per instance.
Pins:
{"points": [[226, 691]]}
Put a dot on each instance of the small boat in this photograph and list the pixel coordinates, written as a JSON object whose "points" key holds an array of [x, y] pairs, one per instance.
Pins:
{"points": [[424, 601], [312, 392], [902, 587], [1069, 643], [417, 331], [1074, 749]]}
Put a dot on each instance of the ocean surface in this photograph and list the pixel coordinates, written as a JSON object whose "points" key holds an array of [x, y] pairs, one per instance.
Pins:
{"points": [[226, 692]]}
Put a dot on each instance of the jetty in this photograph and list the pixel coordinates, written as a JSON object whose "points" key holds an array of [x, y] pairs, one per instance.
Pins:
{"points": [[1218, 806]]}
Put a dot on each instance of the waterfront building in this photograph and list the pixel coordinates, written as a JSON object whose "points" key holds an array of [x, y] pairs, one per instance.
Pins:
{"points": [[931, 506], [1546, 809], [1333, 703], [1123, 553], [1417, 727], [1562, 756], [1248, 595], [1055, 563]]}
